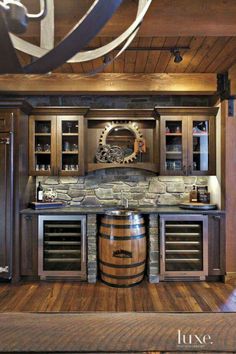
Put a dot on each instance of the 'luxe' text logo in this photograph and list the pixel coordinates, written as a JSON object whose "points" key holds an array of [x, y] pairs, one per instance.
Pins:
{"points": [[193, 339]]}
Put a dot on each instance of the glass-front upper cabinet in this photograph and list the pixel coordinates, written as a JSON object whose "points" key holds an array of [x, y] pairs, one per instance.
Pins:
{"points": [[68, 138], [42, 145], [201, 146], [187, 145], [173, 146], [55, 147]]}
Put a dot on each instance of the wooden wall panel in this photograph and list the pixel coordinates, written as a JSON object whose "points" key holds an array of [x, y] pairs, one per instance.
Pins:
{"points": [[230, 190]]}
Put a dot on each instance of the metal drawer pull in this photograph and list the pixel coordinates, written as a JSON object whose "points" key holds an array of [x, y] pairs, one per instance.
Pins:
{"points": [[4, 269], [5, 141]]}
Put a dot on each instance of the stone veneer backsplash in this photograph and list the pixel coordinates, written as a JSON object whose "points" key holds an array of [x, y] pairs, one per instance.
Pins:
{"points": [[104, 187]]}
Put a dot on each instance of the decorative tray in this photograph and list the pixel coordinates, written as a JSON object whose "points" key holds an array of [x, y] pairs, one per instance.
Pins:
{"points": [[43, 205], [197, 206]]}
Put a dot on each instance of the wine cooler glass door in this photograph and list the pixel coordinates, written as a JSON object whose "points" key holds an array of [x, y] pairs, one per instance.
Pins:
{"points": [[61, 245]]}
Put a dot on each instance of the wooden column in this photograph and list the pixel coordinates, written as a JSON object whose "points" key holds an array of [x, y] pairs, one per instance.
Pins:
{"points": [[229, 186], [232, 78]]}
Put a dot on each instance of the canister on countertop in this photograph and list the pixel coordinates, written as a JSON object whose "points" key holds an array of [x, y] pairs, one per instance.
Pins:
{"points": [[203, 195]]}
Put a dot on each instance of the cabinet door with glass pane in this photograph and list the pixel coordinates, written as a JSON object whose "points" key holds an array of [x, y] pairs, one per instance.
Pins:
{"points": [[69, 145], [173, 154], [42, 145], [201, 146]]}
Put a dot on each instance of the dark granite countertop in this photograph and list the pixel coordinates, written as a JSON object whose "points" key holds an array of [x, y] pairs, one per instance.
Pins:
{"points": [[100, 210]]}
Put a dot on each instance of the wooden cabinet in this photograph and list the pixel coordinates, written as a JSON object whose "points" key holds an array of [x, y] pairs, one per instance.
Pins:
{"points": [[216, 227], [15, 185], [122, 138], [187, 142], [183, 247], [56, 143], [6, 204], [29, 245]]}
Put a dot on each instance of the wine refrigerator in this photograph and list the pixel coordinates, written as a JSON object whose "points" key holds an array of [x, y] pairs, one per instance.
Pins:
{"points": [[62, 246], [183, 247]]}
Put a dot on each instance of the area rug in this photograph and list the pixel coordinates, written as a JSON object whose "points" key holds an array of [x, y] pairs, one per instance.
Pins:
{"points": [[106, 332]]}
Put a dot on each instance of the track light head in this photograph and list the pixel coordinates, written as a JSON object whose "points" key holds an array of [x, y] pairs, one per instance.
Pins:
{"points": [[177, 57]]}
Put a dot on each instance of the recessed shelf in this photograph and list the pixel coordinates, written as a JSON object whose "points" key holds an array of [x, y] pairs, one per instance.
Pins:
{"points": [[70, 134], [174, 134], [42, 134]]}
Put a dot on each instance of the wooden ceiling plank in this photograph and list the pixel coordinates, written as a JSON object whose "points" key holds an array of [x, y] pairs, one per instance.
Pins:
{"points": [[153, 56], [199, 55], [226, 57], [65, 69], [77, 68], [23, 58], [165, 56], [219, 56], [119, 64], [195, 43], [164, 18], [87, 66], [110, 84], [109, 68], [142, 56], [130, 57], [212, 54]]}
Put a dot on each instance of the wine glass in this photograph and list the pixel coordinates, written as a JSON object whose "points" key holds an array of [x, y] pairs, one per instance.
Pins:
{"points": [[69, 126]]}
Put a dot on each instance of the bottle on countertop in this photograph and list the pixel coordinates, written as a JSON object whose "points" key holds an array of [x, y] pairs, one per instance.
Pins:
{"points": [[193, 195], [39, 193]]}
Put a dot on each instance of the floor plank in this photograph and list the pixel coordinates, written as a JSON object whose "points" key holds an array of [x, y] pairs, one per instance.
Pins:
{"points": [[58, 296]]}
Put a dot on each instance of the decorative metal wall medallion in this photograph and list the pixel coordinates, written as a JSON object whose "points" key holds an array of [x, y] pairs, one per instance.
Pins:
{"points": [[129, 154]]}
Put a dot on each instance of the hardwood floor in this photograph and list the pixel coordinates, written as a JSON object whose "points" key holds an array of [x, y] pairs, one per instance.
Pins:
{"points": [[74, 296]]}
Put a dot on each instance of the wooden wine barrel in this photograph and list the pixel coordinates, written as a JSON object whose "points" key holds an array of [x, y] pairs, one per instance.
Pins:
{"points": [[122, 249]]}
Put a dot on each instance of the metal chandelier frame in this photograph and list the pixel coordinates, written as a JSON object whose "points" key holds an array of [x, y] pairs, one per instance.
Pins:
{"points": [[69, 49]]}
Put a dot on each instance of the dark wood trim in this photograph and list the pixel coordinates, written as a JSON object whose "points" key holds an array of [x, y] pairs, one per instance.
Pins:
{"points": [[16, 103], [163, 111], [141, 165], [110, 84], [60, 110], [216, 247], [120, 113]]}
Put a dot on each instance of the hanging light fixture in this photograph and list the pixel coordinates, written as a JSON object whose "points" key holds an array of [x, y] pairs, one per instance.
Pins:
{"points": [[69, 49], [177, 57]]}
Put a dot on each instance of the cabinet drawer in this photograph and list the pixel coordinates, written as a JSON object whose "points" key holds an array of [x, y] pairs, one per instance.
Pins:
{"points": [[6, 121]]}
